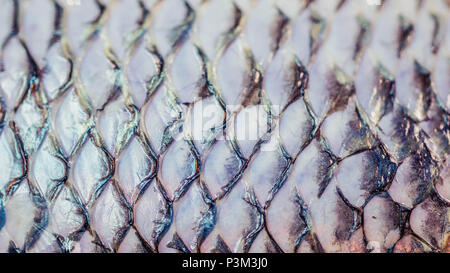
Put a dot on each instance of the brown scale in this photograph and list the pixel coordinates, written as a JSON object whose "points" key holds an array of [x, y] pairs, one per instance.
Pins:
{"points": [[382, 170], [323, 175], [362, 33], [340, 93], [409, 244], [300, 82], [279, 30], [15, 182], [360, 137], [405, 134], [422, 81], [386, 89], [405, 34], [435, 44], [346, 224], [435, 223], [221, 246]]}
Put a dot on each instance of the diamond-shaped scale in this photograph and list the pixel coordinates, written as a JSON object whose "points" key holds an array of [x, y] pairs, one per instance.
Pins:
{"points": [[89, 171], [143, 71], [15, 71], [38, 27], [224, 126], [346, 133], [172, 20], [220, 168], [360, 175], [285, 79], [31, 120], [132, 243], [204, 122], [56, 74], [310, 173], [233, 73], [97, 74], [48, 168], [179, 166], [87, 244], [26, 217], [296, 126], [115, 124], [110, 216], [238, 221], [161, 118], [286, 218], [264, 23], [125, 17], [12, 161], [414, 178], [264, 244], [334, 222], [399, 134], [7, 14], [152, 214], [135, 169], [194, 216], [214, 20], [79, 21], [187, 73], [70, 121], [275, 164], [67, 217]]}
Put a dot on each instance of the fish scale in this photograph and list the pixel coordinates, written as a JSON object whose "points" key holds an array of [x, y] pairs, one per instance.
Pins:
{"points": [[224, 126]]}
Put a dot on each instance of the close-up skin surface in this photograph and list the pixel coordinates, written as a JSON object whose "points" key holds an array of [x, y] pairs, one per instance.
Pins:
{"points": [[219, 126]]}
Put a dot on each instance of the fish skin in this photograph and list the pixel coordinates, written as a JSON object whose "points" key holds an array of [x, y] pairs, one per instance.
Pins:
{"points": [[224, 126]]}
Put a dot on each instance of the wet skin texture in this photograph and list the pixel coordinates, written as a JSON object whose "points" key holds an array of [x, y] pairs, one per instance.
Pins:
{"points": [[224, 126]]}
